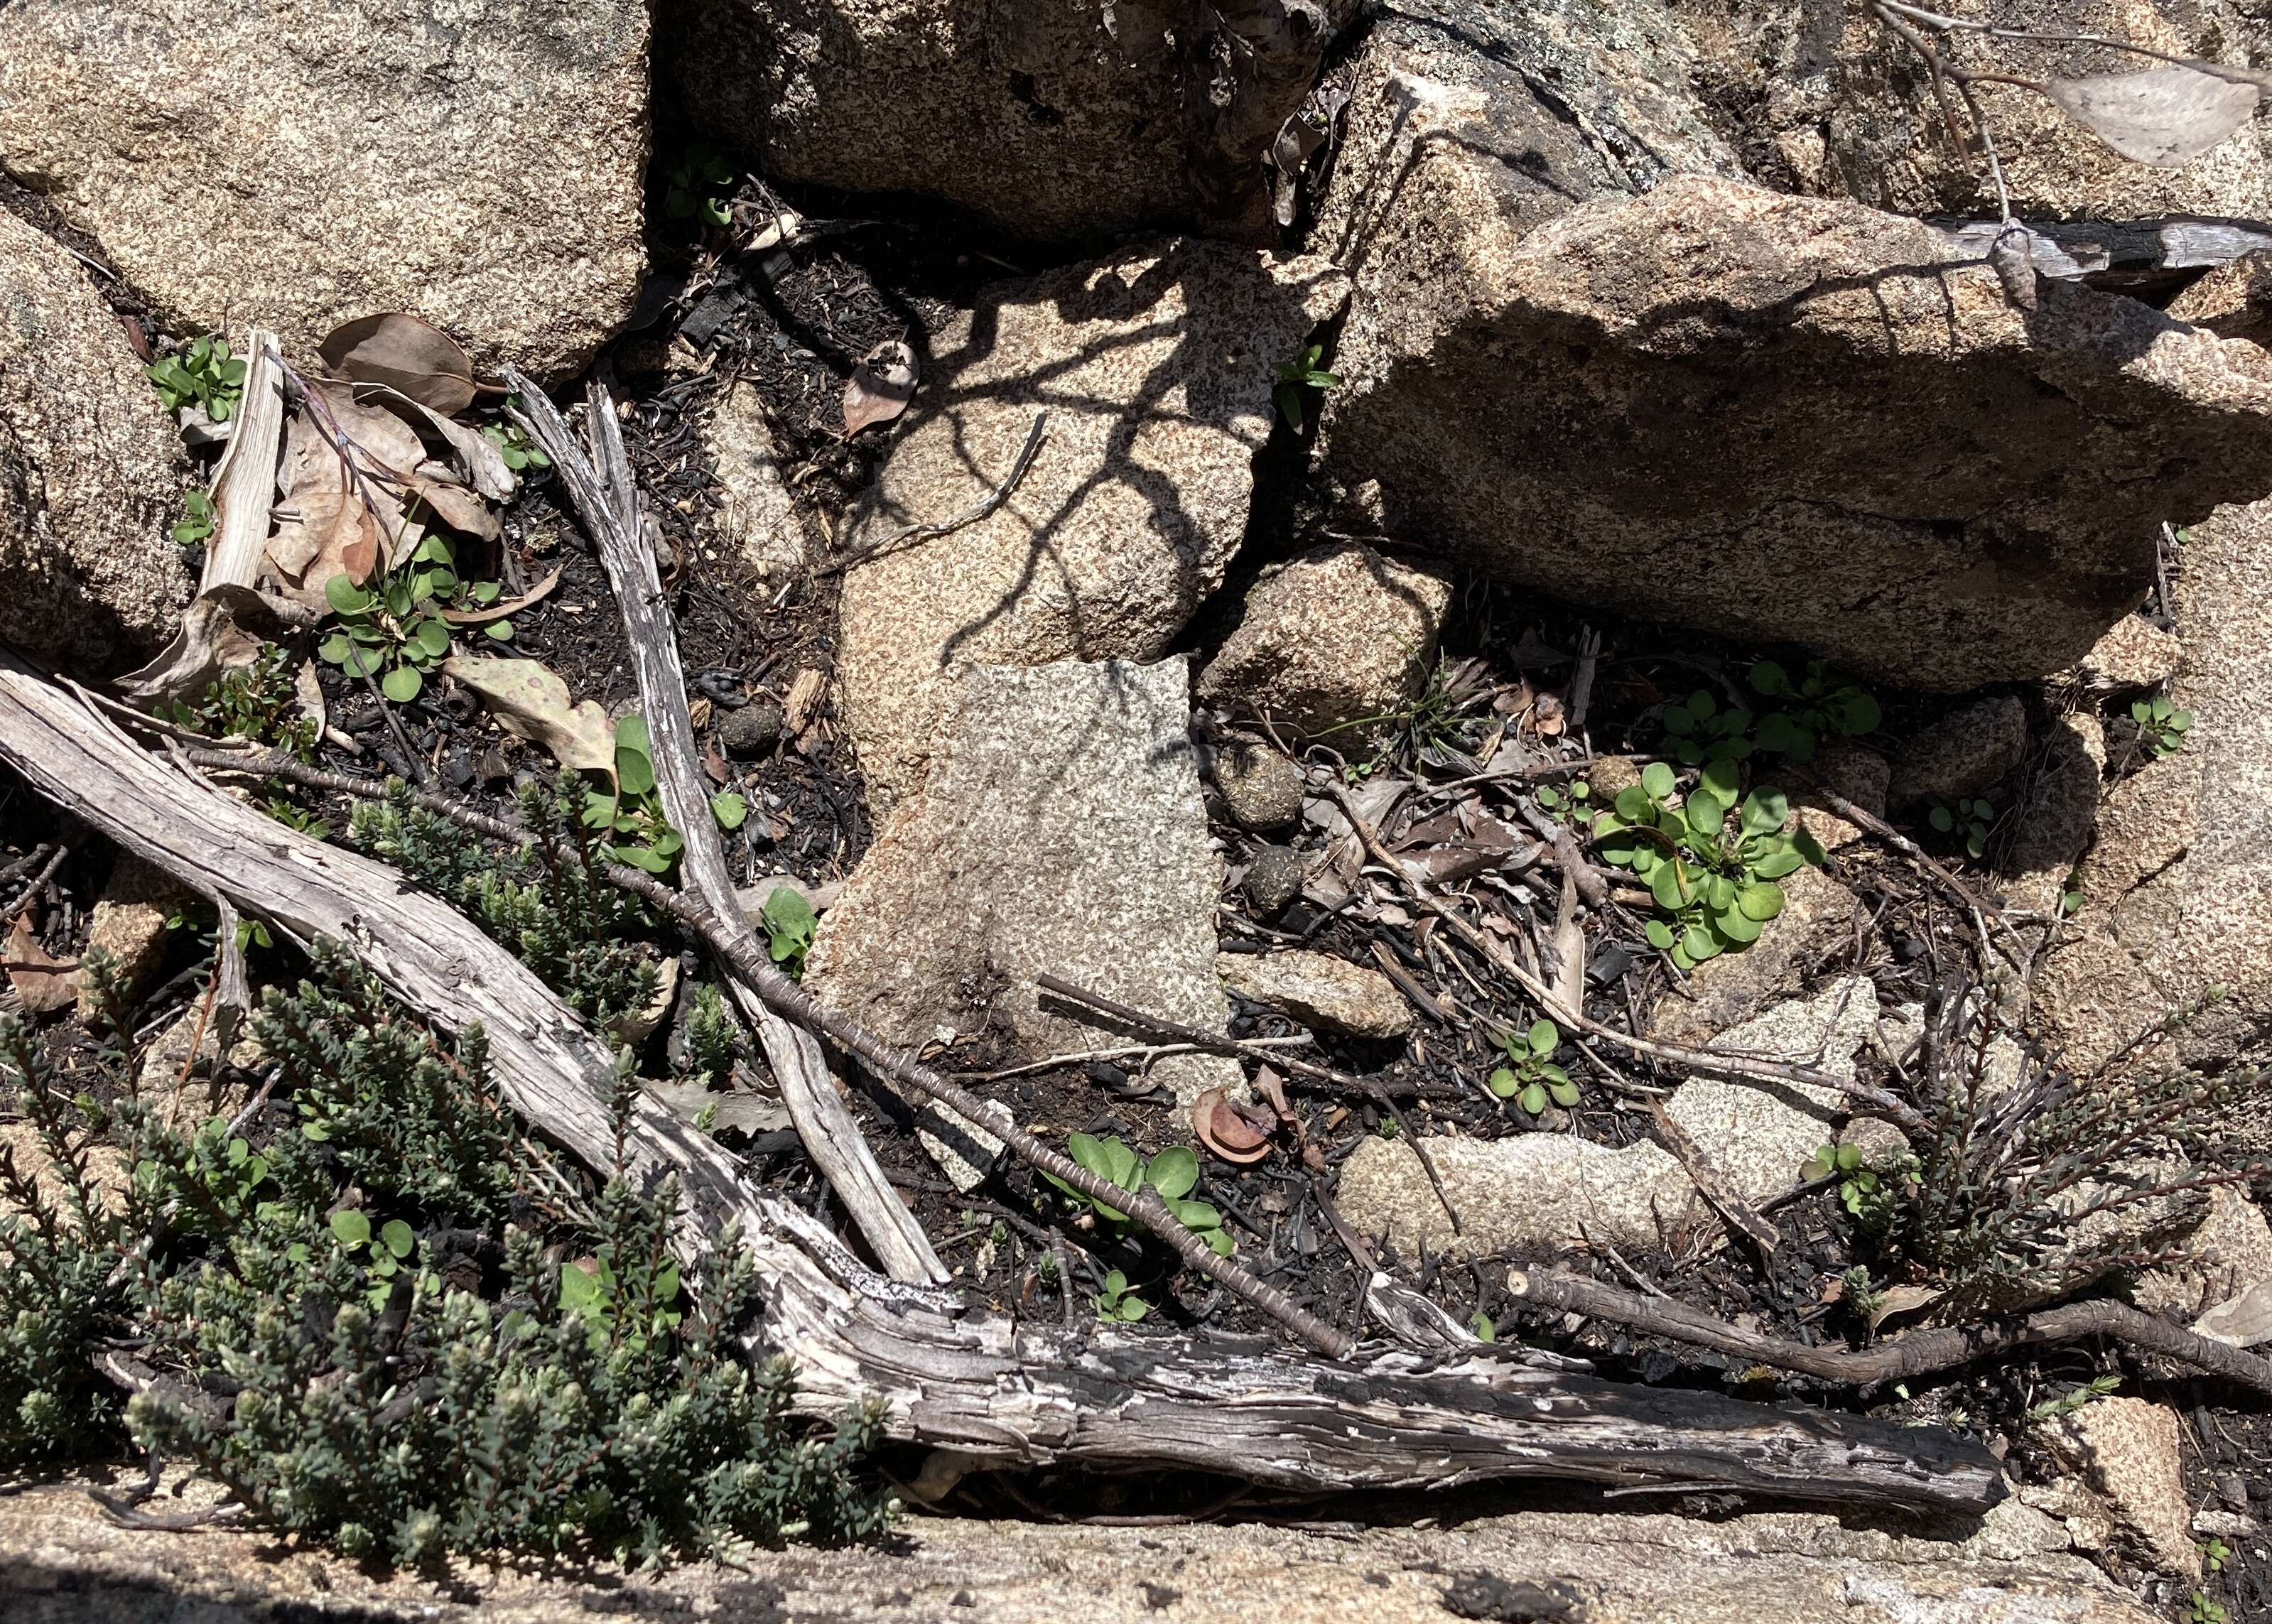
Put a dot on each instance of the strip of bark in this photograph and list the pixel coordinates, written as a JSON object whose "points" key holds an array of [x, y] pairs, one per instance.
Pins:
{"points": [[1011, 1394], [607, 499]]}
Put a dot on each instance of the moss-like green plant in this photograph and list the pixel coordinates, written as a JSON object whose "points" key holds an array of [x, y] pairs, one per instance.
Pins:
{"points": [[2161, 726], [1117, 1302], [408, 1371], [1295, 378], [1713, 880], [699, 187]]}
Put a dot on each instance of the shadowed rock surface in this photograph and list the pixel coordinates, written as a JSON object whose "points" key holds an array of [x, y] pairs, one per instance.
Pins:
{"points": [[90, 468]]}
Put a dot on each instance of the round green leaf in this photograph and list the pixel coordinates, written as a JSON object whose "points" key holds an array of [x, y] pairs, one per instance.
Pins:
{"points": [[398, 1237], [1775, 864], [1768, 677], [1698, 943], [1533, 1097], [1859, 713], [433, 637], [1124, 1170], [1132, 1308], [1174, 1170], [1665, 886], [401, 684], [351, 1227], [1657, 779], [345, 596], [1732, 924], [1679, 722], [1545, 1037], [499, 629], [1633, 803], [1503, 1083], [1659, 934], [1760, 901], [1765, 809], [1088, 1150], [335, 649], [1565, 1092]]}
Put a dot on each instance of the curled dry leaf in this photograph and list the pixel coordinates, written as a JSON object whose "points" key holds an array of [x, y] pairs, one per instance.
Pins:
{"points": [[2242, 1321], [499, 611], [220, 630], [403, 353], [1230, 1130], [43, 982], [1896, 1300], [880, 388], [2162, 116], [531, 702], [478, 460]]}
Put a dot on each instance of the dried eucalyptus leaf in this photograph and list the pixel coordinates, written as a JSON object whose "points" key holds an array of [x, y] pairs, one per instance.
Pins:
{"points": [[880, 388], [2244, 1322], [480, 462], [223, 629], [403, 353], [532, 702], [2162, 116]]}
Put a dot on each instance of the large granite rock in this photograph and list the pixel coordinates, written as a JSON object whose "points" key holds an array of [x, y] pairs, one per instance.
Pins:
{"points": [[476, 162], [1155, 369], [67, 1565], [91, 470], [1774, 416], [1338, 635], [2177, 885], [1060, 832], [1049, 118], [1824, 100]]}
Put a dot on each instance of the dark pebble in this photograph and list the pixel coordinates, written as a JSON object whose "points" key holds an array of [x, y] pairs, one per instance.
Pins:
{"points": [[457, 771], [1273, 879], [751, 731]]}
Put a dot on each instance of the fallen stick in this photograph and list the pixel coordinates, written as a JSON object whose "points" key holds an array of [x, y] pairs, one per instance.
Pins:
{"points": [[1915, 1353], [1008, 1393], [607, 499]]}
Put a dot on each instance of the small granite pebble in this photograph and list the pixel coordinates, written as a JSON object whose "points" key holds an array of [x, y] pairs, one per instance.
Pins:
{"points": [[751, 731], [1259, 786], [1272, 880]]}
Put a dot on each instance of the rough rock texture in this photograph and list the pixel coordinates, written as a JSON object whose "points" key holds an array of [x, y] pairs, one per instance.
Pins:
{"points": [[1049, 118], [1824, 100], [2234, 301], [477, 162], [2134, 654], [1856, 773], [2058, 814], [1339, 634], [1320, 990], [1535, 1195], [1155, 367], [1061, 832], [1760, 1136], [1892, 465], [2177, 885], [1273, 879], [90, 468], [2229, 1251], [757, 520], [130, 924], [2125, 1452], [1261, 787], [1724, 991], [67, 1566], [1960, 754]]}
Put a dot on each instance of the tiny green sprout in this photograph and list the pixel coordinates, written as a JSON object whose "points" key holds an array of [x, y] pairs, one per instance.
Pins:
{"points": [[202, 373], [1697, 730], [1861, 1191], [1484, 1328], [2161, 724], [1117, 1302], [394, 628], [388, 1254], [1713, 879], [729, 809], [1169, 1175], [1972, 818], [2204, 1609], [1389, 1127], [1304, 371], [697, 187], [1530, 1078], [1563, 804], [514, 448], [2067, 1404], [789, 924], [2216, 1554], [195, 527], [1857, 1292]]}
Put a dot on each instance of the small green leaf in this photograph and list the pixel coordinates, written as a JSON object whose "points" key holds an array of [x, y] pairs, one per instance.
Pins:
{"points": [[345, 596], [401, 684], [1545, 1037], [1656, 778], [1503, 1083], [1132, 1308], [1698, 943], [398, 1237], [1565, 1092], [729, 809], [499, 629], [351, 1227], [1533, 1097], [1659, 934], [1173, 1172], [433, 638], [1760, 900]]}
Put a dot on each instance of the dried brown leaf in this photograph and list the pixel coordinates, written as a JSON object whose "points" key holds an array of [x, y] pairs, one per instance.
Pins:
{"points": [[510, 606], [479, 462], [532, 702], [220, 630], [43, 982], [2243, 1321], [403, 353], [1223, 1129], [2161, 116], [880, 388]]}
